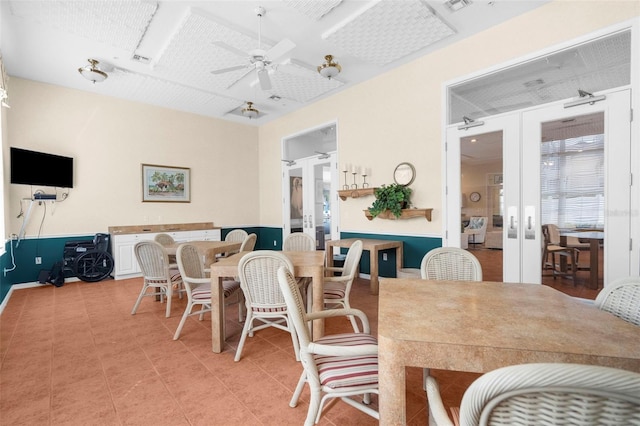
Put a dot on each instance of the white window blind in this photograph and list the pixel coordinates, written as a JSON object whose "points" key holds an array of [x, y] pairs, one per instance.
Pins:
{"points": [[572, 182]]}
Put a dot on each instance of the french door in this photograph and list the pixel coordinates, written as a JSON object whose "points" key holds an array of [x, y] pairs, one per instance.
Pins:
{"points": [[476, 164], [510, 181], [310, 197], [607, 123]]}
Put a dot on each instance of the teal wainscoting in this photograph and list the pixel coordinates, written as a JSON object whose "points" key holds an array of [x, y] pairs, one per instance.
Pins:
{"points": [[414, 249], [268, 238], [50, 250]]}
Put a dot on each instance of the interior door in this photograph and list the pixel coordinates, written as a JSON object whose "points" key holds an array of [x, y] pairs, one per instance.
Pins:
{"points": [[310, 197], [539, 128], [475, 163]]}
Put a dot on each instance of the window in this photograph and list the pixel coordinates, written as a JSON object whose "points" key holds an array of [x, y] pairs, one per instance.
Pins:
{"points": [[572, 182]]}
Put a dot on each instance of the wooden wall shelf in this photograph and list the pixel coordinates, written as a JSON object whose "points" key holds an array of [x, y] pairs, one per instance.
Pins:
{"points": [[355, 193], [406, 214]]}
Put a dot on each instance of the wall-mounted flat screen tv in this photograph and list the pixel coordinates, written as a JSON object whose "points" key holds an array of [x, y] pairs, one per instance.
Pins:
{"points": [[42, 169]]}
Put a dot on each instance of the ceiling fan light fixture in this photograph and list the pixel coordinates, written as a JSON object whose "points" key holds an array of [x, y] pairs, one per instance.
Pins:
{"points": [[329, 69], [92, 73], [250, 111]]}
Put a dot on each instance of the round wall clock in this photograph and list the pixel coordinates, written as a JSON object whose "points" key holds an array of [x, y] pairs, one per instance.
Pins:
{"points": [[404, 174], [475, 197]]}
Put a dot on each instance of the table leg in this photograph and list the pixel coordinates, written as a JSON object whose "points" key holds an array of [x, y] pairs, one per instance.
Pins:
{"points": [[217, 318], [373, 261], [399, 258], [593, 263], [329, 255], [318, 302], [392, 385]]}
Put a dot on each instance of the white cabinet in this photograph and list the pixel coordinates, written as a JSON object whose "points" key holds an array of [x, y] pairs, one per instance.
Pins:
{"points": [[126, 265]]}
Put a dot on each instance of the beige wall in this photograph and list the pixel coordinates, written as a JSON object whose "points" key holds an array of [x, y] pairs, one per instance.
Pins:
{"points": [[109, 139], [398, 116]]}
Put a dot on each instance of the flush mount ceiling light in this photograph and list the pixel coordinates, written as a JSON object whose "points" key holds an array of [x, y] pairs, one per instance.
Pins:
{"points": [[329, 69], [250, 111], [92, 73], [456, 5]]}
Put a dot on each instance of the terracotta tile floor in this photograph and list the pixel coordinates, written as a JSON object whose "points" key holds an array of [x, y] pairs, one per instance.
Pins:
{"points": [[75, 355]]}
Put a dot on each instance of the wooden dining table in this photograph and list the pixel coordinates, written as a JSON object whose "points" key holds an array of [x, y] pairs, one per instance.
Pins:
{"points": [[305, 264], [373, 246], [480, 326], [207, 249]]}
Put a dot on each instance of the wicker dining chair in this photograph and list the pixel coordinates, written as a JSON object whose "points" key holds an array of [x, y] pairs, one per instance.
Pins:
{"points": [[167, 240], [337, 289], [197, 284], [154, 263], [299, 241], [622, 299], [249, 243], [236, 236], [334, 366], [544, 394], [257, 272], [450, 263]]}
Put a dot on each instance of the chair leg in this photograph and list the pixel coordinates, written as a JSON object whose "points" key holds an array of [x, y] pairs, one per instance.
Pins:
{"points": [[245, 331], [187, 311], [299, 387], [169, 290], [574, 265], [314, 407], [140, 296]]}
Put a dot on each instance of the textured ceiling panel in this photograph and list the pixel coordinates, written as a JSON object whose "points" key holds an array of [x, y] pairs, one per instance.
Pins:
{"points": [[385, 31], [296, 81], [121, 24], [191, 54], [594, 66], [313, 9], [142, 88]]}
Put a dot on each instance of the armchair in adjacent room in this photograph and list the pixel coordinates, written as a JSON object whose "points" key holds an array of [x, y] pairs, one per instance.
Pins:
{"points": [[477, 229]]}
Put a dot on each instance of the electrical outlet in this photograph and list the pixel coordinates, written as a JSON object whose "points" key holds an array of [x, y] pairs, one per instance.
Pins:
{"points": [[38, 260], [384, 257], [274, 243]]}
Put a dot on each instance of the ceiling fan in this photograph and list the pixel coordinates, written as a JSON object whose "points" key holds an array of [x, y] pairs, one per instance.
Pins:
{"points": [[260, 60]]}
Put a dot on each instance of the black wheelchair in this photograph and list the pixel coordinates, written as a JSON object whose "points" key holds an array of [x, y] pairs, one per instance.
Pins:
{"points": [[88, 260]]}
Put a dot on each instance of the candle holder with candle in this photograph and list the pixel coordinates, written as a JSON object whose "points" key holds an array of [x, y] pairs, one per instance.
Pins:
{"points": [[345, 169]]}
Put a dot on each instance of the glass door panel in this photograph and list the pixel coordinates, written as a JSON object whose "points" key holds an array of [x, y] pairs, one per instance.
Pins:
{"points": [[311, 193], [480, 183], [578, 174]]}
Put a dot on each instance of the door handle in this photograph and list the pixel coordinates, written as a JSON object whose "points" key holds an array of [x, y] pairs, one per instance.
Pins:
{"points": [[512, 228], [530, 226]]}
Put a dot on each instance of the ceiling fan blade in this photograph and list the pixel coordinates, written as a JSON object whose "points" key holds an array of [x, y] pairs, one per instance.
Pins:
{"points": [[223, 70], [241, 77], [265, 81], [280, 49], [230, 48]]}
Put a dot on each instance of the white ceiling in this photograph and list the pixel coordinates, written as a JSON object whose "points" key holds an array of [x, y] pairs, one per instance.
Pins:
{"points": [[178, 43]]}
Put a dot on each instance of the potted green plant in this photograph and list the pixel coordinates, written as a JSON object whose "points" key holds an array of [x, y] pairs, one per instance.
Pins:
{"points": [[392, 197]]}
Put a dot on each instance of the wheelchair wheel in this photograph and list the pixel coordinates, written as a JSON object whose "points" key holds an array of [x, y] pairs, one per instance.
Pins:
{"points": [[93, 266]]}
